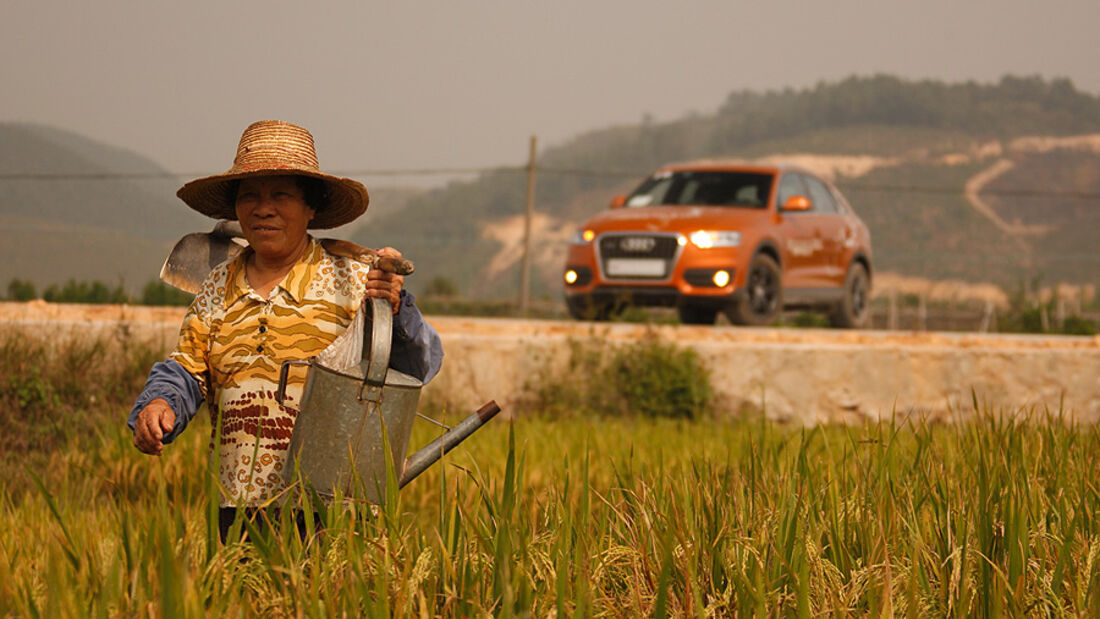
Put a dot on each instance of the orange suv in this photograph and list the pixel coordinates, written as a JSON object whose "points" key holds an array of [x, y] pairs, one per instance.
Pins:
{"points": [[711, 236]]}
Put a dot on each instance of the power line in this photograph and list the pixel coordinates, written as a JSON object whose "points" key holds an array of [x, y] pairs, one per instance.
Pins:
{"points": [[94, 176], [53, 176], [358, 172], [429, 171], [588, 172], [1018, 193]]}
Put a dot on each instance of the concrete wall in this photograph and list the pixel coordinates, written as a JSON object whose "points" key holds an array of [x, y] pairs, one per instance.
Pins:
{"points": [[801, 375], [807, 376]]}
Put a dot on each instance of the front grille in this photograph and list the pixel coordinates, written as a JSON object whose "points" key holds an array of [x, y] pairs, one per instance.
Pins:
{"points": [[638, 246], [616, 249]]}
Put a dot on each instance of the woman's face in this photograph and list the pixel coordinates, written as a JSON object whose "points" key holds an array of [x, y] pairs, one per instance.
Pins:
{"points": [[274, 216]]}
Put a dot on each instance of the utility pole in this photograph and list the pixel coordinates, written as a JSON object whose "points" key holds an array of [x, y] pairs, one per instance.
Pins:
{"points": [[892, 313], [525, 269]]}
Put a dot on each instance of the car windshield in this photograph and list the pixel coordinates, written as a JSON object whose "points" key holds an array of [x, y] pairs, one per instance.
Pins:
{"points": [[742, 189]]}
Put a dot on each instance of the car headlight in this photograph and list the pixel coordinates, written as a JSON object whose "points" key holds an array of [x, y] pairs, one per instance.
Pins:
{"points": [[705, 239], [583, 237]]}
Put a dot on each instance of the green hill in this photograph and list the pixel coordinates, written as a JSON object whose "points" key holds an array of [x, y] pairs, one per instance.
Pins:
{"points": [[926, 139], [903, 152], [42, 169], [65, 212], [75, 208]]}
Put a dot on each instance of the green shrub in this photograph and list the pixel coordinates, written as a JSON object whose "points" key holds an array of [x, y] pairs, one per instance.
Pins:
{"points": [[158, 293], [647, 378], [83, 292], [1031, 321], [658, 380], [21, 290], [813, 320], [1076, 325], [505, 308], [440, 286], [643, 315], [53, 390]]}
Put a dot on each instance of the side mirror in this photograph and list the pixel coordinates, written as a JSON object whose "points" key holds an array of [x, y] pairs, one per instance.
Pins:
{"points": [[617, 202], [797, 203]]}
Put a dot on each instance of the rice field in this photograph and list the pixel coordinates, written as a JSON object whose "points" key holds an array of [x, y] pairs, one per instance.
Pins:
{"points": [[618, 518], [994, 514]]}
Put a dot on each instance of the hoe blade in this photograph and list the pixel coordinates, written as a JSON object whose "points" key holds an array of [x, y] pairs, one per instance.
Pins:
{"points": [[196, 254]]}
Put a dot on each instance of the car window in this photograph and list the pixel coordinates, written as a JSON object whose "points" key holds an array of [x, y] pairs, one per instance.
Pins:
{"points": [[789, 185], [653, 191], [820, 196], [842, 205], [704, 188]]}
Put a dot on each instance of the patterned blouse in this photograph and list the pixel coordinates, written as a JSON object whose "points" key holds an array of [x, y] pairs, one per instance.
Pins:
{"points": [[233, 341]]}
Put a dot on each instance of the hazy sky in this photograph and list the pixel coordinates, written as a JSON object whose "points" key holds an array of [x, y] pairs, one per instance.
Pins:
{"points": [[464, 83]]}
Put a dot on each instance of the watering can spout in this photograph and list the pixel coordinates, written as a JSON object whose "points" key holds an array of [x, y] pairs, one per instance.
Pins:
{"points": [[432, 452]]}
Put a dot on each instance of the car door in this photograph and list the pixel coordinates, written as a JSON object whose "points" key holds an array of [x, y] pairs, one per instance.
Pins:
{"points": [[801, 231], [831, 226]]}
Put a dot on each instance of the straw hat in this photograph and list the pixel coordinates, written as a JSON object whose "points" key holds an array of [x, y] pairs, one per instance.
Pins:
{"points": [[273, 148]]}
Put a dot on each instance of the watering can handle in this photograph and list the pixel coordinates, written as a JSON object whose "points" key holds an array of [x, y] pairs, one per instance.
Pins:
{"points": [[280, 393], [376, 350]]}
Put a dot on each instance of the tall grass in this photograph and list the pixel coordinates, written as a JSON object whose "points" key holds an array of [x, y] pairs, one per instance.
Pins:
{"points": [[997, 516], [57, 387], [993, 515]]}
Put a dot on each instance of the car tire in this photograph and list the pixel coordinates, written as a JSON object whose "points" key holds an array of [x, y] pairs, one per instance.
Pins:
{"points": [[761, 300], [854, 309], [695, 315]]}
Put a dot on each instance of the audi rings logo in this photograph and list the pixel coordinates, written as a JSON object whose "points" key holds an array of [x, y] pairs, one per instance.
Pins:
{"points": [[637, 244]]}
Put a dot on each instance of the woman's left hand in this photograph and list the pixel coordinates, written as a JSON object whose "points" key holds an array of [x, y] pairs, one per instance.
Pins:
{"points": [[384, 285]]}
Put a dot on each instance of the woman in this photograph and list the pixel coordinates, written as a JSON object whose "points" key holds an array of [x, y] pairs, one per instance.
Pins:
{"points": [[284, 299]]}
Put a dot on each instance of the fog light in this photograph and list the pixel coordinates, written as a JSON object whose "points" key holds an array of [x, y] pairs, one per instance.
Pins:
{"points": [[721, 278], [570, 276]]}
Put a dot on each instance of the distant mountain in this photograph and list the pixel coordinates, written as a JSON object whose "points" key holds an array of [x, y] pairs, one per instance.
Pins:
{"points": [[59, 221], [980, 182], [72, 207], [51, 158]]}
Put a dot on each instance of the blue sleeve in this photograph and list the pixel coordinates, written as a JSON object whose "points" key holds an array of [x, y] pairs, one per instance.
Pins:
{"points": [[169, 381], [416, 348]]}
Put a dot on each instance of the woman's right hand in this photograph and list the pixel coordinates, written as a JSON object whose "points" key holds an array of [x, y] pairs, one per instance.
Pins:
{"points": [[154, 421]]}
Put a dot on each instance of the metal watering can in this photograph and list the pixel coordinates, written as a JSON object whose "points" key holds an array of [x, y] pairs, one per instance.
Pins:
{"points": [[337, 441]]}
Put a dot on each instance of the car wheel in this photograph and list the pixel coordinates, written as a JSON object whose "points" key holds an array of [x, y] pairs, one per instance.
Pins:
{"points": [[761, 300], [855, 308], [584, 308], [694, 315]]}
